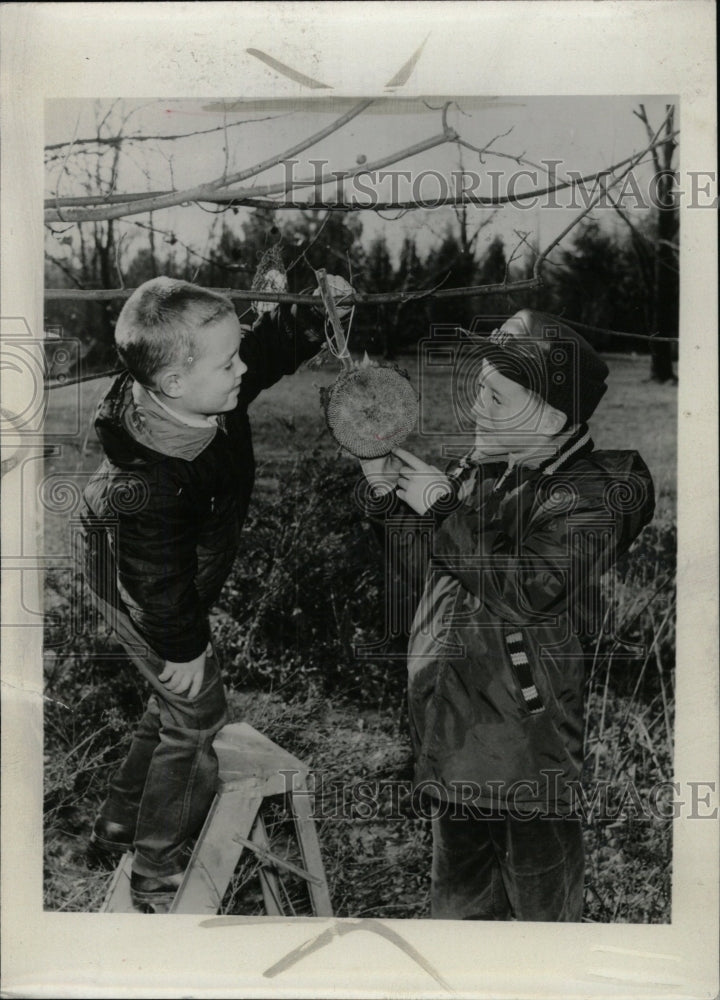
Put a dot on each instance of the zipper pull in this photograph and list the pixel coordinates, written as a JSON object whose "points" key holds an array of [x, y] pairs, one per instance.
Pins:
{"points": [[498, 485]]}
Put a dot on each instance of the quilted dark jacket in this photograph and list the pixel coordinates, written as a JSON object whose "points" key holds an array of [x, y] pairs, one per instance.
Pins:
{"points": [[166, 528], [496, 667]]}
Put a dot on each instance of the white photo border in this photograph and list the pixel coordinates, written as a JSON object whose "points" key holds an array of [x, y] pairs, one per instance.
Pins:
{"points": [[500, 48]]}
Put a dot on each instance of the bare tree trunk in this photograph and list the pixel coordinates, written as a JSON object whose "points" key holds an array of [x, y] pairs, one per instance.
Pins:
{"points": [[667, 285], [666, 288]]}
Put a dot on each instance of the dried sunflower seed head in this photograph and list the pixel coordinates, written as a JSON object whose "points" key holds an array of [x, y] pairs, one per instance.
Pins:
{"points": [[370, 409]]}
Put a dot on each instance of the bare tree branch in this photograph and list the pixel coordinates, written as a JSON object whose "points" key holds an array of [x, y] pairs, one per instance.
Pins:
{"points": [[359, 298], [602, 194], [197, 193], [115, 140], [385, 297], [63, 166], [487, 150], [342, 175], [172, 239], [226, 145], [68, 272], [522, 241], [251, 199], [642, 115], [118, 251], [316, 236], [651, 338]]}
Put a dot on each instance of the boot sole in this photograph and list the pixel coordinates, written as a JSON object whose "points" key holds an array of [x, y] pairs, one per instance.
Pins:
{"points": [[153, 902], [160, 904]]}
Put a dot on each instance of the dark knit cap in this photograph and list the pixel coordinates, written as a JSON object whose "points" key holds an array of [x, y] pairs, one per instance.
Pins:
{"points": [[547, 356]]}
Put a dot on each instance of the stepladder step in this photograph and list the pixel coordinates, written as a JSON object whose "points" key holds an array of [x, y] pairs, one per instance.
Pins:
{"points": [[254, 811]]}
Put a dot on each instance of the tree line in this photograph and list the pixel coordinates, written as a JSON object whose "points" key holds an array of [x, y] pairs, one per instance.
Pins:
{"points": [[611, 279]]}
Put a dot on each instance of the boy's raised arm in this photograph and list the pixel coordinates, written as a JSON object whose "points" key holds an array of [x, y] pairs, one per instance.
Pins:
{"points": [[277, 345]]}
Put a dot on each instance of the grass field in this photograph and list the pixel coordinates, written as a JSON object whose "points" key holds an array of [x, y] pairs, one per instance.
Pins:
{"points": [[304, 590]]}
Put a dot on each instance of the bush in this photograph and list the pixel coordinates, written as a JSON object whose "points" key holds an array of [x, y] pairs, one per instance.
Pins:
{"points": [[306, 588]]}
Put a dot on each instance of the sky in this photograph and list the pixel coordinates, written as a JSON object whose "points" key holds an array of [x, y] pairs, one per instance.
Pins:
{"points": [[584, 133]]}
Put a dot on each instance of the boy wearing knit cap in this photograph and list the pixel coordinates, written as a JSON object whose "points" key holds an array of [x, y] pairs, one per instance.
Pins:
{"points": [[523, 526]]}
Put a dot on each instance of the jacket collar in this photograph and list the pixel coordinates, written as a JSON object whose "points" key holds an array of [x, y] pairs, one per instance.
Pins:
{"points": [[157, 427], [188, 421], [138, 430], [577, 444]]}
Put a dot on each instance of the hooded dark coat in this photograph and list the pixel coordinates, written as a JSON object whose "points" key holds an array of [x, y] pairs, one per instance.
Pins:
{"points": [[163, 513]]}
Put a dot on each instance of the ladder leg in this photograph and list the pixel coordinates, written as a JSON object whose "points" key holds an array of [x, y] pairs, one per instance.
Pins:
{"points": [[117, 899], [310, 849], [216, 853], [269, 882]]}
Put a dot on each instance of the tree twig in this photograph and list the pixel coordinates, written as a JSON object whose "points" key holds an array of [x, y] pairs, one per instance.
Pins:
{"points": [[253, 198], [633, 162], [117, 140], [172, 239], [281, 187], [65, 270], [291, 298], [642, 115], [168, 199], [401, 299]]}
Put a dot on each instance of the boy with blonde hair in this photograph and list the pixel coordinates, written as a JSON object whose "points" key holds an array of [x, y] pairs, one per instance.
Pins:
{"points": [[161, 520]]}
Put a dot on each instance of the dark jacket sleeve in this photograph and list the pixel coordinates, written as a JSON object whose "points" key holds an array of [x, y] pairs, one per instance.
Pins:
{"points": [[517, 586], [389, 511], [406, 537], [276, 345], [156, 561], [559, 560]]}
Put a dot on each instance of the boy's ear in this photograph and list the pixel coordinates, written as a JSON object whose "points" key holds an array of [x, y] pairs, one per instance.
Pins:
{"points": [[171, 383]]}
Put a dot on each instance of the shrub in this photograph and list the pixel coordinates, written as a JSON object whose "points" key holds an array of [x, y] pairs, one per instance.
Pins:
{"points": [[306, 587]]}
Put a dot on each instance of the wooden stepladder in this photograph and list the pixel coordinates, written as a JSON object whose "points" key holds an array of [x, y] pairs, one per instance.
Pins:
{"points": [[252, 768]]}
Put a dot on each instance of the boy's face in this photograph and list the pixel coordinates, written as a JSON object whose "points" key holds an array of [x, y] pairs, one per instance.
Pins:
{"points": [[510, 418], [211, 384]]}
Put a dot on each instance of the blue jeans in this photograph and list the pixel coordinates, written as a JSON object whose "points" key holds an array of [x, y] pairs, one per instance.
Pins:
{"points": [[166, 784], [506, 868]]}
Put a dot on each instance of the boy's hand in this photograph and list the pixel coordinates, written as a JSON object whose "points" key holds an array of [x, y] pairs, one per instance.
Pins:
{"points": [[382, 473], [420, 485], [184, 678]]}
